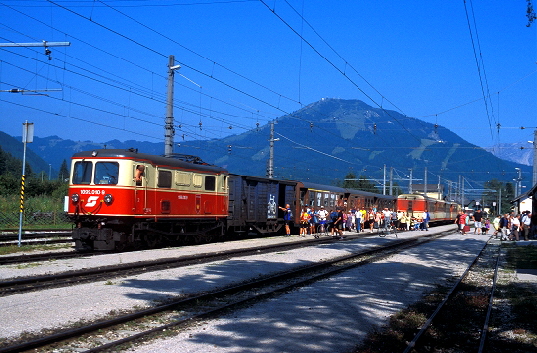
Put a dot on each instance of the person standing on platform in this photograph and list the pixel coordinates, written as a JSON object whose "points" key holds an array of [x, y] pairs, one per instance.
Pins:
{"points": [[358, 216], [496, 225], [304, 222], [338, 224], [462, 222], [526, 224], [504, 227], [458, 222], [426, 218], [478, 217], [515, 228], [287, 218]]}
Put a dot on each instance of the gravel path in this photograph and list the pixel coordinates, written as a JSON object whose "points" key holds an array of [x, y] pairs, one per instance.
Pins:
{"points": [[335, 314], [331, 315]]}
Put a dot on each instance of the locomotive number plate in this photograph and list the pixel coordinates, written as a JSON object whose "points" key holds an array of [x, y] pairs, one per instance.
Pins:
{"points": [[92, 192]]}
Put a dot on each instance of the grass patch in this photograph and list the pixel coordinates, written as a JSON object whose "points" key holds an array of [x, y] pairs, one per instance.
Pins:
{"points": [[14, 249], [522, 257], [28, 265]]}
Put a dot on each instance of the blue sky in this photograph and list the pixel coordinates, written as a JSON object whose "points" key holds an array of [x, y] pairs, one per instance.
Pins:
{"points": [[247, 62]]}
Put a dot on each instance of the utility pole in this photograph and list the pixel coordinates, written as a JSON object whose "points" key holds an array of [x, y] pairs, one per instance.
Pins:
{"points": [[500, 202], [410, 182], [169, 130], [462, 192], [270, 165], [27, 137], [439, 194], [425, 182], [391, 181], [518, 185], [384, 182], [534, 179]]}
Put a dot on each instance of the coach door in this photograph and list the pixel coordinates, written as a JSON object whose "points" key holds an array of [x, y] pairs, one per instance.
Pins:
{"points": [[140, 179]]}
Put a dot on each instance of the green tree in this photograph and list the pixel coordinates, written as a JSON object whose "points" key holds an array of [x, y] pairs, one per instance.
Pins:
{"points": [[350, 181], [9, 184], [357, 183], [498, 192], [64, 171], [11, 165]]}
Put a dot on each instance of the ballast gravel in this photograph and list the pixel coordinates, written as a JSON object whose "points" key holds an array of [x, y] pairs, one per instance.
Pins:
{"points": [[329, 316]]}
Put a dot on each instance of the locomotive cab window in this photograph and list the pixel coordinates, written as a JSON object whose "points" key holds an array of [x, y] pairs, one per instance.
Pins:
{"points": [[139, 173], [106, 173], [82, 173]]}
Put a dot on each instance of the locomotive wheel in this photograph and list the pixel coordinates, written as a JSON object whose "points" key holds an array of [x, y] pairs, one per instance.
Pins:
{"points": [[152, 240], [121, 246], [200, 238]]}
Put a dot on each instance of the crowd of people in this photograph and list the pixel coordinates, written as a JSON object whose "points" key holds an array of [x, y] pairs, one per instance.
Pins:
{"points": [[319, 220], [313, 221], [509, 226]]}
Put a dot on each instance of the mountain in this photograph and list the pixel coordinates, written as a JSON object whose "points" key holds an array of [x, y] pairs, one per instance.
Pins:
{"points": [[332, 137], [519, 152], [324, 141], [16, 148]]}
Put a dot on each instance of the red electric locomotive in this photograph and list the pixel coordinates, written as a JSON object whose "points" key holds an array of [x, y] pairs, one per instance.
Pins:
{"points": [[122, 197], [440, 211]]}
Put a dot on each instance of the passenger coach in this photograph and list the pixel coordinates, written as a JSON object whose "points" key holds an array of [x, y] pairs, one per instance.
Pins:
{"points": [[332, 197], [440, 211]]}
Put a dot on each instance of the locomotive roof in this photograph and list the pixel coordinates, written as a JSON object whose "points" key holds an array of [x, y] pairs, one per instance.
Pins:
{"points": [[191, 163]]}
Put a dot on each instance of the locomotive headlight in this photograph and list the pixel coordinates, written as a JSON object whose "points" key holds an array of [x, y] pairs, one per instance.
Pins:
{"points": [[75, 197], [108, 198]]}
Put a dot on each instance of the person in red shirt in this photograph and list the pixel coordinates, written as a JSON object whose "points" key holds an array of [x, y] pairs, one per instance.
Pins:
{"points": [[462, 222]]}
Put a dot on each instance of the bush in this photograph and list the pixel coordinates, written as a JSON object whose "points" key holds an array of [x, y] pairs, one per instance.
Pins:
{"points": [[39, 211]]}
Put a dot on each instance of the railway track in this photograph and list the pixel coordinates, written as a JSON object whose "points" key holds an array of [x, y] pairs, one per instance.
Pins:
{"points": [[27, 284], [456, 305], [183, 311], [6, 236], [48, 256], [37, 238]]}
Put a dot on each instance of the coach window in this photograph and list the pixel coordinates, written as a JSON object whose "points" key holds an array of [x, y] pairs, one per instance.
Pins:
{"points": [[210, 183], [164, 179], [106, 173]]}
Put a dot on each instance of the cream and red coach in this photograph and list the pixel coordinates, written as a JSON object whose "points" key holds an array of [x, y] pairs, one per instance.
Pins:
{"points": [[440, 211], [120, 197]]}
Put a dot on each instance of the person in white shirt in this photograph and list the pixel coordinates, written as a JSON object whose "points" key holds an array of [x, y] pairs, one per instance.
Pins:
{"points": [[515, 228], [526, 224]]}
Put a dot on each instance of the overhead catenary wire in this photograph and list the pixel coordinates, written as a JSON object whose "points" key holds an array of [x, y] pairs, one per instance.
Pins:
{"points": [[209, 110], [482, 75], [121, 58], [336, 68]]}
